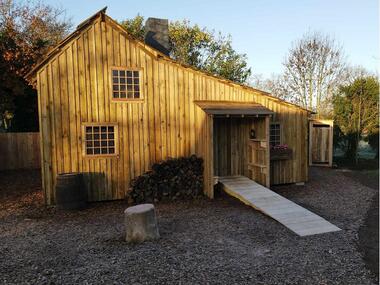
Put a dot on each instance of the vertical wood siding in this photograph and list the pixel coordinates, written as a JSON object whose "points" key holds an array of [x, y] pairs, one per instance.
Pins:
{"points": [[74, 88], [321, 142]]}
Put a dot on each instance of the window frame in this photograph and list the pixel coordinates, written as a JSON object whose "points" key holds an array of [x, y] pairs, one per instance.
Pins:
{"points": [[141, 83], [270, 129], [100, 124]]}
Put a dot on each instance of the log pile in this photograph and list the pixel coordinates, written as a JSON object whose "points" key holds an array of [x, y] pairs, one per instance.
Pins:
{"points": [[173, 179]]}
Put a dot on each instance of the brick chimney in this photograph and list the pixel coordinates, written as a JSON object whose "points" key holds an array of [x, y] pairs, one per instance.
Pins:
{"points": [[157, 34]]}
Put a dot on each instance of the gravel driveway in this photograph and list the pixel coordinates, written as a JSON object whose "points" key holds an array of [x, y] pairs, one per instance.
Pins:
{"points": [[203, 241]]}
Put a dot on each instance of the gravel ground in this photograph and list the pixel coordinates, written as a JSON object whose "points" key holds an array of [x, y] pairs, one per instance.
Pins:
{"points": [[369, 231], [202, 242]]}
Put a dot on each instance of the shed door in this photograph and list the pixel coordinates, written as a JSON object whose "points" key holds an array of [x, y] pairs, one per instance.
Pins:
{"points": [[320, 144]]}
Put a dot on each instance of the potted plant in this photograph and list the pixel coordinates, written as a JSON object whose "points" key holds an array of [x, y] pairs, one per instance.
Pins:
{"points": [[280, 152]]}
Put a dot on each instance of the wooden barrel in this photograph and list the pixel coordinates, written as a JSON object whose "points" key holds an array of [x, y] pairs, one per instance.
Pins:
{"points": [[70, 191]]}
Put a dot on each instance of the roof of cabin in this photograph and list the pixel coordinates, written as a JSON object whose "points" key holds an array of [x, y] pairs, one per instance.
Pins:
{"points": [[30, 76], [233, 108]]}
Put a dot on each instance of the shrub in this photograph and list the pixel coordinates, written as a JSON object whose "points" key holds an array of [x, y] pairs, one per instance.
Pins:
{"points": [[173, 179]]}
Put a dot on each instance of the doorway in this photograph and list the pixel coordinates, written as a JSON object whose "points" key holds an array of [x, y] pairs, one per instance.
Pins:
{"points": [[241, 147], [321, 143]]}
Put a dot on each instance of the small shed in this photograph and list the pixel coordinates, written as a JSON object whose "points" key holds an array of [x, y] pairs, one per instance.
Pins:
{"points": [[110, 106]]}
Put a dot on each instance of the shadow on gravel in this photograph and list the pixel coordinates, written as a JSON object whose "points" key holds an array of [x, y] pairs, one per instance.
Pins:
{"points": [[369, 231], [369, 237]]}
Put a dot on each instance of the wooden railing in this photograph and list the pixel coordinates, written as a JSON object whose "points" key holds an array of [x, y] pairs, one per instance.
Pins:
{"points": [[19, 151]]}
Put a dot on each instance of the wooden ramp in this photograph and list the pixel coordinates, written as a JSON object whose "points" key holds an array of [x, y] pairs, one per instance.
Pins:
{"points": [[291, 215]]}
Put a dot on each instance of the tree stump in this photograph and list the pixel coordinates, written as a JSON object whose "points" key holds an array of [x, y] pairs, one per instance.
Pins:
{"points": [[141, 223]]}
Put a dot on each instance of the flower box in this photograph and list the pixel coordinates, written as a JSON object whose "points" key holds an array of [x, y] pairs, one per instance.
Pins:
{"points": [[281, 153]]}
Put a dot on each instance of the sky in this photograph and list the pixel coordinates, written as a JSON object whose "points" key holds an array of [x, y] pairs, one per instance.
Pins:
{"points": [[262, 29]]}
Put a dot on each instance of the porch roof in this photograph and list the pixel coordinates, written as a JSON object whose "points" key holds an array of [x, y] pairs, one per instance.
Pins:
{"points": [[233, 108]]}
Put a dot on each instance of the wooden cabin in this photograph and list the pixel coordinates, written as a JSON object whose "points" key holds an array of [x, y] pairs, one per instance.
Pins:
{"points": [[110, 106]]}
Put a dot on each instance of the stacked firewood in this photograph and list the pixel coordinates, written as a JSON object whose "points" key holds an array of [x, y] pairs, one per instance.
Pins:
{"points": [[173, 179]]}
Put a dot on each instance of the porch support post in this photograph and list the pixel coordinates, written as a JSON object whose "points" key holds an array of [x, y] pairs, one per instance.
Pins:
{"points": [[267, 153]]}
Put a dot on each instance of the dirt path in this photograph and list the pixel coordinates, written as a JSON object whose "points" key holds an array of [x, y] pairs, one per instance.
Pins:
{"points": [[202, 242]]}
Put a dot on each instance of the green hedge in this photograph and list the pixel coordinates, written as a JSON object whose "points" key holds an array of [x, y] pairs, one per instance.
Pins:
{"points": [[173, 179]]}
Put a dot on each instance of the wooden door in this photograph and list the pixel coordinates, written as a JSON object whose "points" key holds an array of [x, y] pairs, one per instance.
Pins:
{"points": [[320, 143]]}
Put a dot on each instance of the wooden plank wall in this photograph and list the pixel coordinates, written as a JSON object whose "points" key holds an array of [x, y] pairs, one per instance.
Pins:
{"points": [[231, 137], [74, 88], [19, 151], [294, 133]]}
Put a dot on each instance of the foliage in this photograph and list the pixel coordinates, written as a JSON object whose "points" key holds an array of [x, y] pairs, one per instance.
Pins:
{"points": [[200, 48], [27, 31], [135, 27], [356, 112], [373, 141], [180, 178]]}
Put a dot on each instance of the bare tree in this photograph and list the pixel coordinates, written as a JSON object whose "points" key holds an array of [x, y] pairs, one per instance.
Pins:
{"points": [[312, 69], [276, 85]]}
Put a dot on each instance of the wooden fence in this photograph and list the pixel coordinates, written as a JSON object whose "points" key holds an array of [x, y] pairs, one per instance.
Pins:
{"points": [[19, 151]]}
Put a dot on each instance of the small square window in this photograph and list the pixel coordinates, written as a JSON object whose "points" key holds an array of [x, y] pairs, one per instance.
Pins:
{"points": [[126, 84], [100, 140]]}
